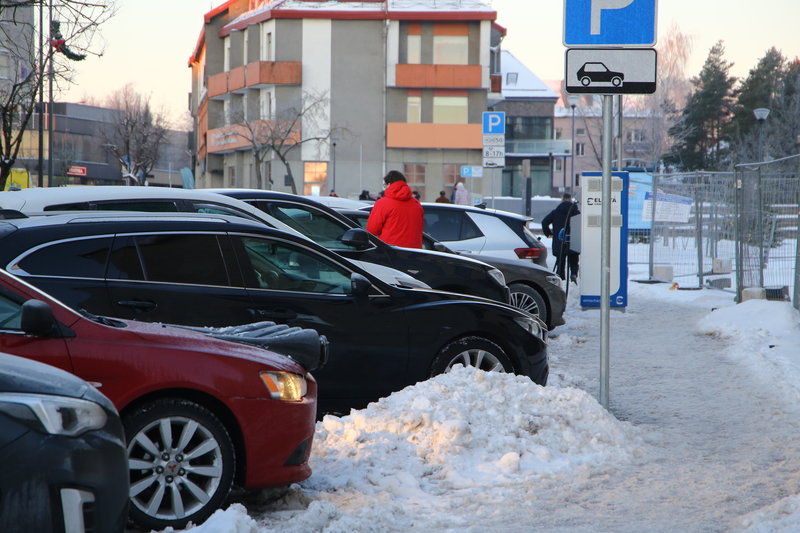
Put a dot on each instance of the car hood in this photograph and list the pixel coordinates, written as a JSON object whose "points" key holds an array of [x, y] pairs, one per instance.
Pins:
{"points": [[174, 337], [26, 375]]}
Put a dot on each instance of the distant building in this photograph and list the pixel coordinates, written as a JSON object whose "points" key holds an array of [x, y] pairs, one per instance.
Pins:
{"points": [[407, 82], [80, 156]]}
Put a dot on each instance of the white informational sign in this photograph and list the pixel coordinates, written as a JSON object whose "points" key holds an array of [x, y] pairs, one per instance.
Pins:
{"points": [[669, 208]]}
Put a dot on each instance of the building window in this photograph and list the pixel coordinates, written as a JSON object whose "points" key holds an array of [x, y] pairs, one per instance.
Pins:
{"points": [[315, 174], [414, 110], [559, 163], [529, 128], [580, 149], [415, 176], [226, 59], [559, 133], [450, 50], [265, 103], [580, 131], [266, 46], [635, 135], [451, 174], [511, 78], [414, 49], [450, 109], [232, 177]]}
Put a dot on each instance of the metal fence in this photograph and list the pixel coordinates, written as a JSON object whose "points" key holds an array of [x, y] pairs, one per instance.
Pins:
{"points": [[730, 230]]}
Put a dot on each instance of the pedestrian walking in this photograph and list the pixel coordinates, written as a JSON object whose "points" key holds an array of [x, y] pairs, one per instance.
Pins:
{"points": [[397, 217], [556, 224], [462, 195]]}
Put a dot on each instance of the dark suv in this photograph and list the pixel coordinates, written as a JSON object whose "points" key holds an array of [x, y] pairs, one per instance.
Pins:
{"points": [[204, 270]]}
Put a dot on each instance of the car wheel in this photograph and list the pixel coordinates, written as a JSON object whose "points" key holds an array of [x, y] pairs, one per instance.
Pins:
{"points": [[616, 81], [585, 81], [471, 351], [529, 299], [181, 463]]}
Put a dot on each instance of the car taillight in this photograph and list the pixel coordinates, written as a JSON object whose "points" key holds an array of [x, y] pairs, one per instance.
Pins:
{"points": [[528, 253]]}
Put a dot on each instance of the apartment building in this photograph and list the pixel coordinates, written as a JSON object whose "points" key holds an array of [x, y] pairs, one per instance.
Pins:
{"points": [[402, 83]]}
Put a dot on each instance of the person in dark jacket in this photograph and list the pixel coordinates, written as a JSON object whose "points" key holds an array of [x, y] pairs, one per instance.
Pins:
{"points": [[397, 217], [556, 224]]}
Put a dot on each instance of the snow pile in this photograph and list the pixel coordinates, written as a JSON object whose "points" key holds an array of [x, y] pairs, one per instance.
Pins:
{"points": [[464, 429]]}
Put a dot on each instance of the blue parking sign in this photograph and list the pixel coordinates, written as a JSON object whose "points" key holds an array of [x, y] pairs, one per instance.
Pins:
{"points": [[589, 23], [494, 123]]}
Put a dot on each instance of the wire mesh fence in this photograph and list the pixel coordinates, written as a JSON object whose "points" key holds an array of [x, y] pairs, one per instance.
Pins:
{"points": [[727, 230]]}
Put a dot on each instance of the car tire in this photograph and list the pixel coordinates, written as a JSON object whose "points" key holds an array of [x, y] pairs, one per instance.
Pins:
{"points": [[471, 351], [528, 299], [616, 81], [585, 81], [167, 488]]}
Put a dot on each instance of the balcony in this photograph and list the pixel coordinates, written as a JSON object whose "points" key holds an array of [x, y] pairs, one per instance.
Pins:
{"points": [[253, 76], [438, 76], [538, 147], [237, 137], [439, 136], [263, 73]]}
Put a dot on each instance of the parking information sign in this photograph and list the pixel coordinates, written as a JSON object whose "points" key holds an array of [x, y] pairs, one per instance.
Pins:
{"points": [[494, 139], [628, 23], [610, 70]]}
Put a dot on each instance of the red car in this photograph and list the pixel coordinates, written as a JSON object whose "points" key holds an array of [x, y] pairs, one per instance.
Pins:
{"points": [[200, 414]]}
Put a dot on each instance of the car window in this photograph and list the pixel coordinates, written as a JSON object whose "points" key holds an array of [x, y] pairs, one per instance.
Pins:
{"points": [[10, 313], [286, 267], [450, 225], [313, 223], [81, 258], [171, 258]]}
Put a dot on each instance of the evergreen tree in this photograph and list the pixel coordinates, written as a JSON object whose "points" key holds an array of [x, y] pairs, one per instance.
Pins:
{"points": [[761, 88], [701, 134]]}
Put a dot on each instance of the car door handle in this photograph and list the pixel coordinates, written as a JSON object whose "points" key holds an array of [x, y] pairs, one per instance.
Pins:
{"points": [[276, 314], [139, 305]]}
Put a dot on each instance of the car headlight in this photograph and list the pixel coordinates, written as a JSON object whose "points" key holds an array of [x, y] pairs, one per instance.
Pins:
{"points": [[555, 280], [285, 386], [497, 276], [56, 415], [532, 326]]}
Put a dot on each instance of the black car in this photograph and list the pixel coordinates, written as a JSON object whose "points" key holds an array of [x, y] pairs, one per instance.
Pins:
{"points": [[203, 270], [533, 288], [334, 231], [62, 452], [595, 71]]}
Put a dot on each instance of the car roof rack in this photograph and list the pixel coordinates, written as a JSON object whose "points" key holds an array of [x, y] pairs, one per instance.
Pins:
{"points": [[9, 214]]}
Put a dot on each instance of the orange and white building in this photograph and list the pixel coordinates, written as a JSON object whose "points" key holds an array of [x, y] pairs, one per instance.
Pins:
{"points": [[405, 83]]}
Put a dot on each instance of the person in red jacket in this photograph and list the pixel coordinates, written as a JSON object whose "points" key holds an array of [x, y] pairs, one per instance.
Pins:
{"points": [[397, 217]]}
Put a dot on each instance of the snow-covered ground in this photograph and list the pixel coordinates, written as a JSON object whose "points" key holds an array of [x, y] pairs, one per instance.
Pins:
{"points": [[701, 435]]}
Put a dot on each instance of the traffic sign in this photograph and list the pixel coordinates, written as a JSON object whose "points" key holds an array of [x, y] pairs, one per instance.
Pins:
{"points": [[625, 23], [610, 70], [469, 171], [494, 122]]}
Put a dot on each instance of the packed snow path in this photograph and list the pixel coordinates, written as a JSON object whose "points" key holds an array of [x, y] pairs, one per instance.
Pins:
{"points": [[723, 440]]}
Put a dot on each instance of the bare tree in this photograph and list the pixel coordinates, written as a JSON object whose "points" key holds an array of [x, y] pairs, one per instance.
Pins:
{"points": [[69, 38], [301, 122], [135, 133]]}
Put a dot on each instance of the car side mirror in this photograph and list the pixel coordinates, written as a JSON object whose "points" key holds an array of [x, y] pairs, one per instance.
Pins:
{"points": [[37, 319], [357, 238], [360, 285]]}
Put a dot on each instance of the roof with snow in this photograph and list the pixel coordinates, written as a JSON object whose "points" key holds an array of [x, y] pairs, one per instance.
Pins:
{"points": [[520, 82]]}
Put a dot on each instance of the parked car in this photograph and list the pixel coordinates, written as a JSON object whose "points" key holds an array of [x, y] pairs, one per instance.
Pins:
{"points": [[203, 270], [62, 452], [199, 413], [336, 232], [533, 288], [489, 232], [283, 211]]}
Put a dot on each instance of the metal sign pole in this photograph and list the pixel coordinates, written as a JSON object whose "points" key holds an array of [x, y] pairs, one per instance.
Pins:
{"points": [[605, 250]]}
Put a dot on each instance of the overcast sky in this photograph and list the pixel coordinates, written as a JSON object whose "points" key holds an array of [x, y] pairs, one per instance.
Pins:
{"points": [[149, 42]]}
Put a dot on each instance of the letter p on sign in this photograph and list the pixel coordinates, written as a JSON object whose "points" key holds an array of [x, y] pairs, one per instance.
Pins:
{"points": [[598, 6], [494, 123]]}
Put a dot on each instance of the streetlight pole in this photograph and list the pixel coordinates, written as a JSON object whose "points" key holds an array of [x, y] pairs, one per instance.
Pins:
{"points": [[573, 100], [761, 114], [333, 157]]}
